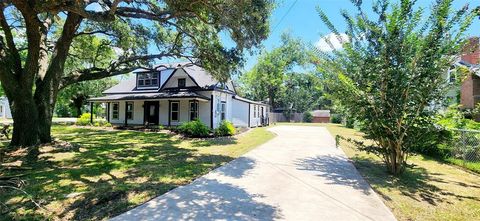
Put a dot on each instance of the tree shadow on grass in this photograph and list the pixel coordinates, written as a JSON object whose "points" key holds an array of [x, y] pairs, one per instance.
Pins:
{"points": [[416, 182], [214, 141], [111, 172]]}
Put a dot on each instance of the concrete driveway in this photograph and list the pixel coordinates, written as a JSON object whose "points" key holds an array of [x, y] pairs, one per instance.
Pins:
{"points": [[298, 175]]}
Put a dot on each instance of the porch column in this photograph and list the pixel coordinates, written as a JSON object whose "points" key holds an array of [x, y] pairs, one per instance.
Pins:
{"points": [[91, 112], [211, 111], [108, 112], [126, 110]]}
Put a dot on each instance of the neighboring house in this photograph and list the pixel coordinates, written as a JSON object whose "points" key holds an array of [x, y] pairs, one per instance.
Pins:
{"points": [[321, 116], [470, 88], [467, 94], [177, 93], [5, 112]]}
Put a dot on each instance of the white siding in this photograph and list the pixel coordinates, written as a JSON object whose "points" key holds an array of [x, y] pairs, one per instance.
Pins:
{"points": [[5, 108], [173, 81], [240, 113], [163, 112], [255, 118], [137, 113]]}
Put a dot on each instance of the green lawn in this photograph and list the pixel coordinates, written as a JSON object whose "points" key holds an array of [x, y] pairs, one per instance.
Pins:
{"points": [[428, 190], [108, 172]]}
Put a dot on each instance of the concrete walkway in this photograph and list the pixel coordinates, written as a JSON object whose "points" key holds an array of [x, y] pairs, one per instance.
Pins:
{"points": [[298, 175]]}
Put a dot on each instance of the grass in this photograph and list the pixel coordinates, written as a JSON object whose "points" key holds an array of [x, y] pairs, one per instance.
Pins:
{"points": [[473, 166], [428, 190], [105, 173]]}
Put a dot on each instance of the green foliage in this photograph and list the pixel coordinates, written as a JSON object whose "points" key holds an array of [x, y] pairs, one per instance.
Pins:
{"points": [[307, 117], [454, 118], [225, 128], [391, 69], [72, 100], [84, 119], [336, 118], [194, 129], [267, 79]]}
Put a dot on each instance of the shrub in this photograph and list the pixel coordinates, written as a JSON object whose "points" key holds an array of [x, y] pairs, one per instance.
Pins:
{"points": [[434, 141], [194, 129], [84, 119], [97, 124], [336, 119], [307, 117], [107, 124], [225, 129]]}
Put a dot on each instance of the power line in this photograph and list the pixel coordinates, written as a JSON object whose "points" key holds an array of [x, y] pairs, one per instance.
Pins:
{"points": [[285, 15]]}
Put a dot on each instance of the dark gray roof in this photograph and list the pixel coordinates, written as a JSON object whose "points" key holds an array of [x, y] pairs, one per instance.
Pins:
{"points": [[147, 96], [198, 74], [248, 100]]}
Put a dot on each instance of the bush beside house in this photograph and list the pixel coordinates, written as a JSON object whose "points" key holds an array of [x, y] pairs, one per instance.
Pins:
{"points": [[226, 128], [194, 129], [197, 129], [84, 120]]}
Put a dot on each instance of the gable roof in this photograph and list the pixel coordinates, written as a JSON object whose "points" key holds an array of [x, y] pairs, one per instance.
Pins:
{"points": [[198, 75]]}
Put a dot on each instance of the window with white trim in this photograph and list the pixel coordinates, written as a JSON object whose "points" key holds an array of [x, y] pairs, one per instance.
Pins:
{"points": [[129, 110], [174, 111], [254, 111], [147, 79], [223, 110], [193, 110], [115, 111]]}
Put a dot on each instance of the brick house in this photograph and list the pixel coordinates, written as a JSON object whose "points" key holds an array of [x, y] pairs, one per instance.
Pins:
{"points": [[470, 87]]}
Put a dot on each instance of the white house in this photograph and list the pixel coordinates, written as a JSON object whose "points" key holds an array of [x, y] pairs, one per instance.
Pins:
{"points": [[5, 112], [177, 93]]}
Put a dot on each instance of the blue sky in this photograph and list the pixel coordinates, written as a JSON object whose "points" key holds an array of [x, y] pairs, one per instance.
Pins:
{"points": [[303, 21]]}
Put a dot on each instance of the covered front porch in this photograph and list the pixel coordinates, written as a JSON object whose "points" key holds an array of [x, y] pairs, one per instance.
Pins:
{"points": [[146, 109]]}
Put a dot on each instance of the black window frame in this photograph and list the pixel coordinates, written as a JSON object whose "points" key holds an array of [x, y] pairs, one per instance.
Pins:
{"points": [[115, 112], [193, 110], [177, 111], [153, 80], [184, 80], [223, 110], [130, 112]]}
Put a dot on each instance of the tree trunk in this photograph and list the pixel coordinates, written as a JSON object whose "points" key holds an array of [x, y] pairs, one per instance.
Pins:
{"points": [[271, 97], [45, 114], [79, 110], [397, 163], [25, 121]]}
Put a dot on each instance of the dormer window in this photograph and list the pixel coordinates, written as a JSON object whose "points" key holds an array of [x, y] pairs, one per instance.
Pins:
{"points": [[146, 80], [181, 82]]}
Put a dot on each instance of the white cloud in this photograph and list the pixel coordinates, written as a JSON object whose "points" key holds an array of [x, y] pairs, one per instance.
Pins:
{"points": [[322, 44]]}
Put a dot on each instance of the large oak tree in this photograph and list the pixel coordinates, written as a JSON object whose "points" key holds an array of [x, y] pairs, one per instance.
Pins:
{"points": [[37, 37]]}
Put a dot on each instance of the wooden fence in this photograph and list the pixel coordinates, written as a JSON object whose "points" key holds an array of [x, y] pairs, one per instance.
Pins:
{"points": [[280, 117]]}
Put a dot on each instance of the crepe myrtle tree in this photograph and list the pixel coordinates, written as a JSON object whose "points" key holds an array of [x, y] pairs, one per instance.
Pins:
{"points": [[37, 37], [391, 70]]}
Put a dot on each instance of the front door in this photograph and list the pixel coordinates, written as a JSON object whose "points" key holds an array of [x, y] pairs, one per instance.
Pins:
{"points": [[151, 109]]}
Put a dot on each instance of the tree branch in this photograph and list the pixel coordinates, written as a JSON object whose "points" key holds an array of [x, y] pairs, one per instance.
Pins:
{"points": [[118, 68], [10, 42]]}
